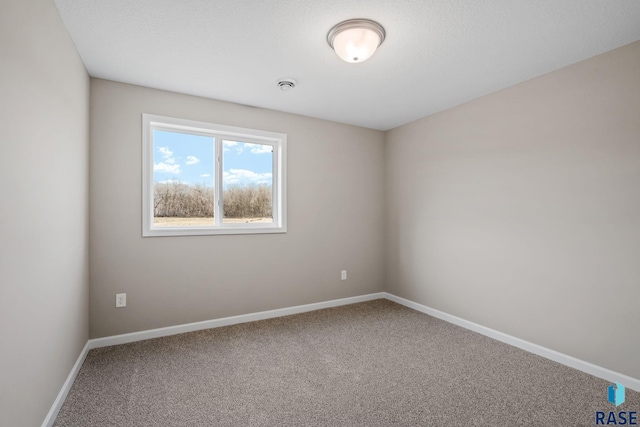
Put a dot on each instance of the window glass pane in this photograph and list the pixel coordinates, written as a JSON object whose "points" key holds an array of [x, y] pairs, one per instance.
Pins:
{"points": [[193, 171], [183, 179], [247, 182]]}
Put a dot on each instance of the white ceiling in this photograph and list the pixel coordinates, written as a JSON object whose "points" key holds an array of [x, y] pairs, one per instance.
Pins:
{"points": [[438, 53]]}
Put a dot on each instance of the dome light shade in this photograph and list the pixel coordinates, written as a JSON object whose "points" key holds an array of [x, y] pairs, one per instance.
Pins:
{"points": [[356, 40]]}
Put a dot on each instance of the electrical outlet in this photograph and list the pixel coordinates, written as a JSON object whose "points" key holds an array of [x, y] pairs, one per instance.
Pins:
{"points": [[121, 300], [344, 275]]}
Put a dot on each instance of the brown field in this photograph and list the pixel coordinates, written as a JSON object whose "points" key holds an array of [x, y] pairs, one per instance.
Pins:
{"points": [[197, 222]]}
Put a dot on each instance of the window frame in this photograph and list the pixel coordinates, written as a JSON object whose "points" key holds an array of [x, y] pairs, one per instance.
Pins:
{"points": [[220, 133]]}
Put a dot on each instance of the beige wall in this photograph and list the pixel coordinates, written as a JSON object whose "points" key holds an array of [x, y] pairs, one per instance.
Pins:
{"points": [[520, 211], [44, 118], [335, 220]]}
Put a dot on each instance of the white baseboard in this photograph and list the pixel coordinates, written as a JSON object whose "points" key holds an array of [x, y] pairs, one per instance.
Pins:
{"points": [[226, 321], [564, 359], [570, 361], [57, 404]]}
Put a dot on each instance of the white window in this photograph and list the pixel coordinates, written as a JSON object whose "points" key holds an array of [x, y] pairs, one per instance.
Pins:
{"points": [[202, 178]]}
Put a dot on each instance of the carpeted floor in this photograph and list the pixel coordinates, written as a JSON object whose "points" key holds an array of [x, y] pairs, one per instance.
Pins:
{"points": [[370, 364]]}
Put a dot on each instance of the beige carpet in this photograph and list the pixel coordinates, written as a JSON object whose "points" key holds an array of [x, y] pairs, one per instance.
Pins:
{"points": [[370, 364]]}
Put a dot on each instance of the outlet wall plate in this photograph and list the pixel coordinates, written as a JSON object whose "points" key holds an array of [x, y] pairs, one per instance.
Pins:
{"points": [[121, 300], [343, 275]]}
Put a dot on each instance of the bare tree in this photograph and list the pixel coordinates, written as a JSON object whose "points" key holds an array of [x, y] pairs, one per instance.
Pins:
{"points": [[177, 199]]}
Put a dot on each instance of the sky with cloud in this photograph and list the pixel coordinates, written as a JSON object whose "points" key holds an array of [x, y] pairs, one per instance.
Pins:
{"points": [[190, 159]]}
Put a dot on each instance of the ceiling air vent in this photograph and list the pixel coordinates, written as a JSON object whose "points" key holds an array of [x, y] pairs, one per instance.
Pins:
{"points": [[286, 84]]}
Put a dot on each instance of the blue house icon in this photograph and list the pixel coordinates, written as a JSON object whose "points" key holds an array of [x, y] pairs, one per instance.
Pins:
{"points": [[616, 394]]}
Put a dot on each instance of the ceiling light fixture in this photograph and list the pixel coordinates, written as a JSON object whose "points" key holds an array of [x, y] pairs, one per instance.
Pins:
{"points": [[356, 40]]}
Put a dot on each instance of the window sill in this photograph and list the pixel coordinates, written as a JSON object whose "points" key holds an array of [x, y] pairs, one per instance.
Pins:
{"points": [[211, 231]]}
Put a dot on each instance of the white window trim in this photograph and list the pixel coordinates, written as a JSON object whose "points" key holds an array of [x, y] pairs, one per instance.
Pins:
{"points": [[152, 122]]}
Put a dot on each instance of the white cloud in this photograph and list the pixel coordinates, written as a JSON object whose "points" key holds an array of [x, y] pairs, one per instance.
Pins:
{"points": [[244, 177], [167, 155], [226, 146], [192, 160], [205, 175], [166, 167], [240, 147], [259, 148], [171, 181]]}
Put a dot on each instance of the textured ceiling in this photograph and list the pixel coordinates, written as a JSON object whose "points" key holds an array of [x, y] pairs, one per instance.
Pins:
{"points": [[437, 54]]}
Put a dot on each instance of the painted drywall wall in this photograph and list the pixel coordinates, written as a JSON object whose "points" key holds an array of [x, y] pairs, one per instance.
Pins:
{"points": [[520, 210], [44, 132], [335, 220]]}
